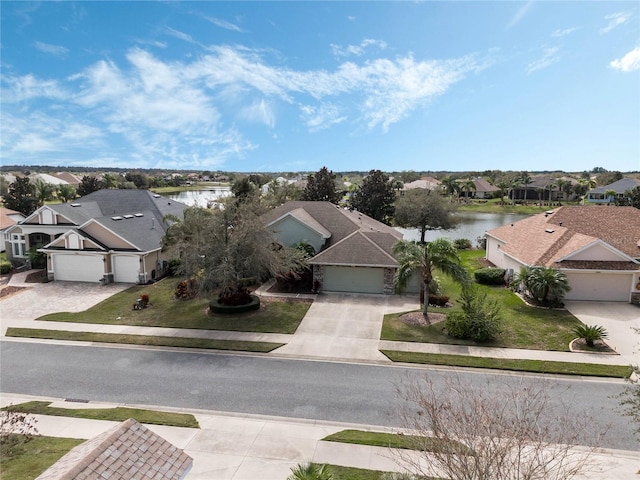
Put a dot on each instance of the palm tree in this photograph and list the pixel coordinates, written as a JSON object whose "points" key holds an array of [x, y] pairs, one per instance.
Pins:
{"points": [[310, 471], [450, 185], [66, 193], [590, 333], [550, 186], [562, 186], [525, 180], [611, 196], [425, 258], [43, 192], [467, 187], [503, 185], [546, 285]]}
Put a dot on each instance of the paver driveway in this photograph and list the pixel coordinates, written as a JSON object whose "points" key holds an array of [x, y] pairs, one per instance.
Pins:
{"points": [[21, 308], [345, 326]]}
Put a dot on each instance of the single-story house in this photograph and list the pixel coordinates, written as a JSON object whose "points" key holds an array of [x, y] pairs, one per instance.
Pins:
{"points": [[353, 251], [597, 248], [483, 188], [8, 218], [426, 183], [129, 450], [598, 195], [106, 236]]}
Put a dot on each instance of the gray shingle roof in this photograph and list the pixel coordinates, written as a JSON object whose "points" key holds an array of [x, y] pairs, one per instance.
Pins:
{"points": [[620, 186], [127, 451]]}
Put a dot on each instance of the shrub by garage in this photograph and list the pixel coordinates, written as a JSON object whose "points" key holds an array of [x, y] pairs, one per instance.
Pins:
{"points": [[490, 276]]}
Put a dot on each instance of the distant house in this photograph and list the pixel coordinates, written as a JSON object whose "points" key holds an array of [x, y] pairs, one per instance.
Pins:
{"points": [[127, 451], [353, 251], [426, 183], [106, 236], [598, 195], [483, 189], [8, 218], [541, 189], [46, 178], [70, 178], [597, 248]]}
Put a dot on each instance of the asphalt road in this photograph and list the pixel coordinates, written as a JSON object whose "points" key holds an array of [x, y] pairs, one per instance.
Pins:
{"points": [[340, 392]]}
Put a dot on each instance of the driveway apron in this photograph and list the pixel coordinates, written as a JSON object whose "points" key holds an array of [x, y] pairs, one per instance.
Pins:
{"points": [[345, 326]]}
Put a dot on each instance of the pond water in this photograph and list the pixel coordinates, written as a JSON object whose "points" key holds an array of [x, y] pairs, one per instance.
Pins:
{"points": [[200, 198], [471, 226]]}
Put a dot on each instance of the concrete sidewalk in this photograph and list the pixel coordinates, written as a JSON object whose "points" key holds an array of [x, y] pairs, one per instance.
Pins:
{"points": [[337, 327], [247, 447]]}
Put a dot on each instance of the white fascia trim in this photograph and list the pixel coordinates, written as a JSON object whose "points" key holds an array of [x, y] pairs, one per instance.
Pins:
{"points": [[93, 220], [604, 244]]}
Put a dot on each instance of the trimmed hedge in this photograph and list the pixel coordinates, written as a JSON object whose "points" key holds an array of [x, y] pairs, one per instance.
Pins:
{"points": [[5, 267], [490, 276], [216, 307], [438, 300]]}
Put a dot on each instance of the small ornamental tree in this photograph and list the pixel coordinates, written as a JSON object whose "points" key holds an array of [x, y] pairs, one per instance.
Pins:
{"points": [[424, 210]]}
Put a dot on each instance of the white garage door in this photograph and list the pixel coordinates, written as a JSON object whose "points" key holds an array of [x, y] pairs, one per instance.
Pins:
{"points": [[353, 279], [126, 268], [604, 287], [77, 268]]}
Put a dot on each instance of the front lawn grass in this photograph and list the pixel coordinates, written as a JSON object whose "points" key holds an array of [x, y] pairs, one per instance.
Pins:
{"points": [[156, 341], [339, 472], [27, 460], [392, 440], [533, 366], [117, 414], [165, 311], [524, 326]]}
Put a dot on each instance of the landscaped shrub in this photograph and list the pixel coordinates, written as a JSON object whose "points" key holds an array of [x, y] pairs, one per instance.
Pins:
{"points": [[479, 320], [186, 289], [543, 286], [234, 296], [144, 299], [462, 243], [490, 276], [590, 333], [173, 267], [5, 267], [438, 300]]}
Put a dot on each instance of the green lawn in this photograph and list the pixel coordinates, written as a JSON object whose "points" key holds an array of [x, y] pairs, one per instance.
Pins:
{"points": [[117, 414], [524, 326], [156, 341], [26, 461], [165, 311], [517, 365], [391, 440], [493, 206]]}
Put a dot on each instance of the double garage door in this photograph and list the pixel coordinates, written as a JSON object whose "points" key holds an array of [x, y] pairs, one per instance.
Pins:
{"points": [[90, 268], [353, 279], [603, 287]]}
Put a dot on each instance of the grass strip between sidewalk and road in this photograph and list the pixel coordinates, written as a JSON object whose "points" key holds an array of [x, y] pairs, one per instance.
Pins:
{"points": [[116, 414], [395, 440], [27, 460], [518, 365], [155, 341]]}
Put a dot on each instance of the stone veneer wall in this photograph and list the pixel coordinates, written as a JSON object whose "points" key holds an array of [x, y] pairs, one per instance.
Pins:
{"points": [[635, 298], [318, 276], [388, 280]]}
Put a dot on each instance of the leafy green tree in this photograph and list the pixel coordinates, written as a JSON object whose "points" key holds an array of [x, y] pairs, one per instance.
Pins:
{"points": [[228, 247], [44, 192], [424, 210], [278, 194], [140, 180], [89, 184], [110, 180], [450, 185], [611, 196], [243, 189], [375, 197], [425, 259], [66, 193], [545, 285], [633, 197], [321, 187], [21, 196], [4, 186]]}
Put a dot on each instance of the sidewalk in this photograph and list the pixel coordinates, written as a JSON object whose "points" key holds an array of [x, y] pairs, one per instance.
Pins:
{"points": [[246, 447], [336, 328]]}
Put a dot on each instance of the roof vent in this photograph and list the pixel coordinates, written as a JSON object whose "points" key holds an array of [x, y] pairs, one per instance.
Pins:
{"points": [[156, 195], [128, 216], [549, 230], [138, 215], [549, 212], [116, 218], [75, 204]]}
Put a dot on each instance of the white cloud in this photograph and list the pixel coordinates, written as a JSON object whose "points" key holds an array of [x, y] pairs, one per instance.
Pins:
{"points": [[321, 117], [57, 50], [563, 32], [615, 20], [549, 57], [29, 87], [629, 63], [178, 34], [356, 50], [259, 112], [520, 14], [224, 24]]}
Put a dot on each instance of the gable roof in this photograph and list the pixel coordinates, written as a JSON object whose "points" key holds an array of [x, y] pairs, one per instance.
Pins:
{"points": [[547, 238], [129, 450], [9, 217], [373, 237], [620, 186], [483, 186], [428, 183]]}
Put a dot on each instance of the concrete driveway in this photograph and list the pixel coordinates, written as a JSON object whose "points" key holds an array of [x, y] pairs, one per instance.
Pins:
{"points": [[622, 321], [21, 308], [341, 326]]}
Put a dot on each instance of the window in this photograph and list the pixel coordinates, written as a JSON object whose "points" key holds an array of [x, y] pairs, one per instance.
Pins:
{"points": [[18, 245]]}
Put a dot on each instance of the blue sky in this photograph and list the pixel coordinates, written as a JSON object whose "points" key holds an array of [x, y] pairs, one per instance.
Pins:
{"points": [[294, 86]]}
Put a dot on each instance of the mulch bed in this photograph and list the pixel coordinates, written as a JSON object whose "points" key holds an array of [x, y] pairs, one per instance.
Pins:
{"points": [[417, 318], [35, 277], [8, 290], [598, 347]]}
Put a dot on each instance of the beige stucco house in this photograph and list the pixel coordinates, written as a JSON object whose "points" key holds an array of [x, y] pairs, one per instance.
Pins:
{"points": [[597, 247]]}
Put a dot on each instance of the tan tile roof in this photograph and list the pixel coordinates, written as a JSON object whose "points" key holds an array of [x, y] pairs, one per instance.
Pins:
{"points": [[5, 220], [544, 239], [127, 451], [427, 183]]}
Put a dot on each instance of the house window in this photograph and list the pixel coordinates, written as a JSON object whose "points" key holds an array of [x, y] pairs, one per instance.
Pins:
{"points": [[18, 245]]}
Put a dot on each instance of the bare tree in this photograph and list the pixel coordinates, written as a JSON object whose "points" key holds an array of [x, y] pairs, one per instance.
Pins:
{"points": [[511, 434]]}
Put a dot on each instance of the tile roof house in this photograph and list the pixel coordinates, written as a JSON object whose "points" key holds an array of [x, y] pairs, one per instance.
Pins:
{"points": [[598, 195], [427, 183], [8, 218], [354, 250], [598, 248], [106, 236], [127, 451]]}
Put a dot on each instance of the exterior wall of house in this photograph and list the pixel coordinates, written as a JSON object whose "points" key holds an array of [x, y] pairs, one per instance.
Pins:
{"points": [[597, 252], [105, 236], [153, 267], [290, 231], [499, 259], [599, 286]]}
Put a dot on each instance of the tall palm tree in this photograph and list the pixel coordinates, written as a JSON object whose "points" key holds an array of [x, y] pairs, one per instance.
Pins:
{"points": [[468, 186], [425, 258], [525, 180], [43, 192], [550, 186], [503, 185], [562, 185], [450, 185]]}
